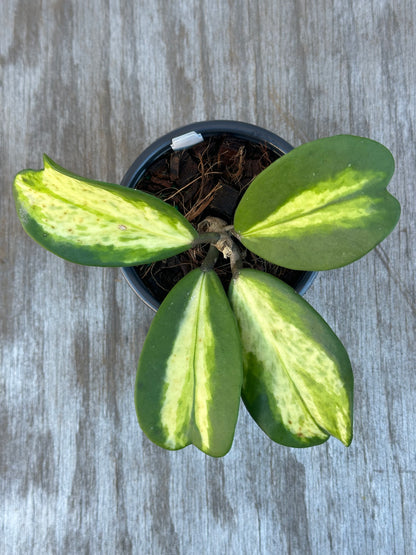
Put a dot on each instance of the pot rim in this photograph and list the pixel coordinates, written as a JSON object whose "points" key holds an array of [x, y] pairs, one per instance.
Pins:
{"points": [[163, 146]]}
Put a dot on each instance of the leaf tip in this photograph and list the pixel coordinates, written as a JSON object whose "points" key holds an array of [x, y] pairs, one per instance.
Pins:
{"points": [[47, 161], [345, 436]]}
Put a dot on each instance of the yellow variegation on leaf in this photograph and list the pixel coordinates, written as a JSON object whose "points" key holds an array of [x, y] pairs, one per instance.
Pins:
{"points": [[190, 371], [321, 206], [96, 223], [297, 375]]}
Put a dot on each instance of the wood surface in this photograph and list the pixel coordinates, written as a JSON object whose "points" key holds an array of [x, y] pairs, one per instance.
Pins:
{"points": [[92, 83]]}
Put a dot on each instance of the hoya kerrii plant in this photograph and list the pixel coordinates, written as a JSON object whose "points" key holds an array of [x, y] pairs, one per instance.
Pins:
{"points": [[321, 206]]}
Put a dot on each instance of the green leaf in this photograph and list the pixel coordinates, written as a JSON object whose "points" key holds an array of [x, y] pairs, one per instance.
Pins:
{"points": [[190, 371], [321, 206], [297, 375], [94, 223]]}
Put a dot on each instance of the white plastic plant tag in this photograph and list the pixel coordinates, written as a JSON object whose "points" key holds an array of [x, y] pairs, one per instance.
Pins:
{"points": [[187, 140]]}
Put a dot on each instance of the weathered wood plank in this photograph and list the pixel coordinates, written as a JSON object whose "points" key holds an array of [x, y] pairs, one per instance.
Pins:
{"points": [[92, 83]]}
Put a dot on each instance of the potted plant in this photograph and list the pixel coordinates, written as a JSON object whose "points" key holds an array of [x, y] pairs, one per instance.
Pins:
{"points": [[320, 206], [207, 166]]}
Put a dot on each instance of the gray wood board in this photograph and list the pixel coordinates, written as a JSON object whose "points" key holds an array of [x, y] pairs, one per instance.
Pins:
{"points": [[93, 83]]}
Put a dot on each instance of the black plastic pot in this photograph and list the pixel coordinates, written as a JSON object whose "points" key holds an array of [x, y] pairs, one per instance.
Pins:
{"points": [[188, 136]]}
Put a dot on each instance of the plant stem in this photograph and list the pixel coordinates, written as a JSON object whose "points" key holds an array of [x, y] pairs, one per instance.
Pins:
{"points": [[236, 262], [209, 237], [210, 259], [219, 242]]}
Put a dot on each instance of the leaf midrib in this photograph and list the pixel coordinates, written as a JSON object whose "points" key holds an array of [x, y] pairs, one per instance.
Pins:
{"points": [[193, 425], [89, 208], [255, 229], [258, 227]]}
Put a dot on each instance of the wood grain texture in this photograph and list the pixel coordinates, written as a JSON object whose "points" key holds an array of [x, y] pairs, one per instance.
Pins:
{"points": [[91, 84]]}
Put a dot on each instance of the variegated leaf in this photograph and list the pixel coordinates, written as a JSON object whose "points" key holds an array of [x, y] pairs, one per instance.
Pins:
{"points": [[321, 206], [297, 374], [95, 223], [190, 371]]}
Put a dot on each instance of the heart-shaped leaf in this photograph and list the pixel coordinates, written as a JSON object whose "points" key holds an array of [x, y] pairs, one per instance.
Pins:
{"points": [[297, 374], [321, 206], [95, 223], [190, 371]]}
